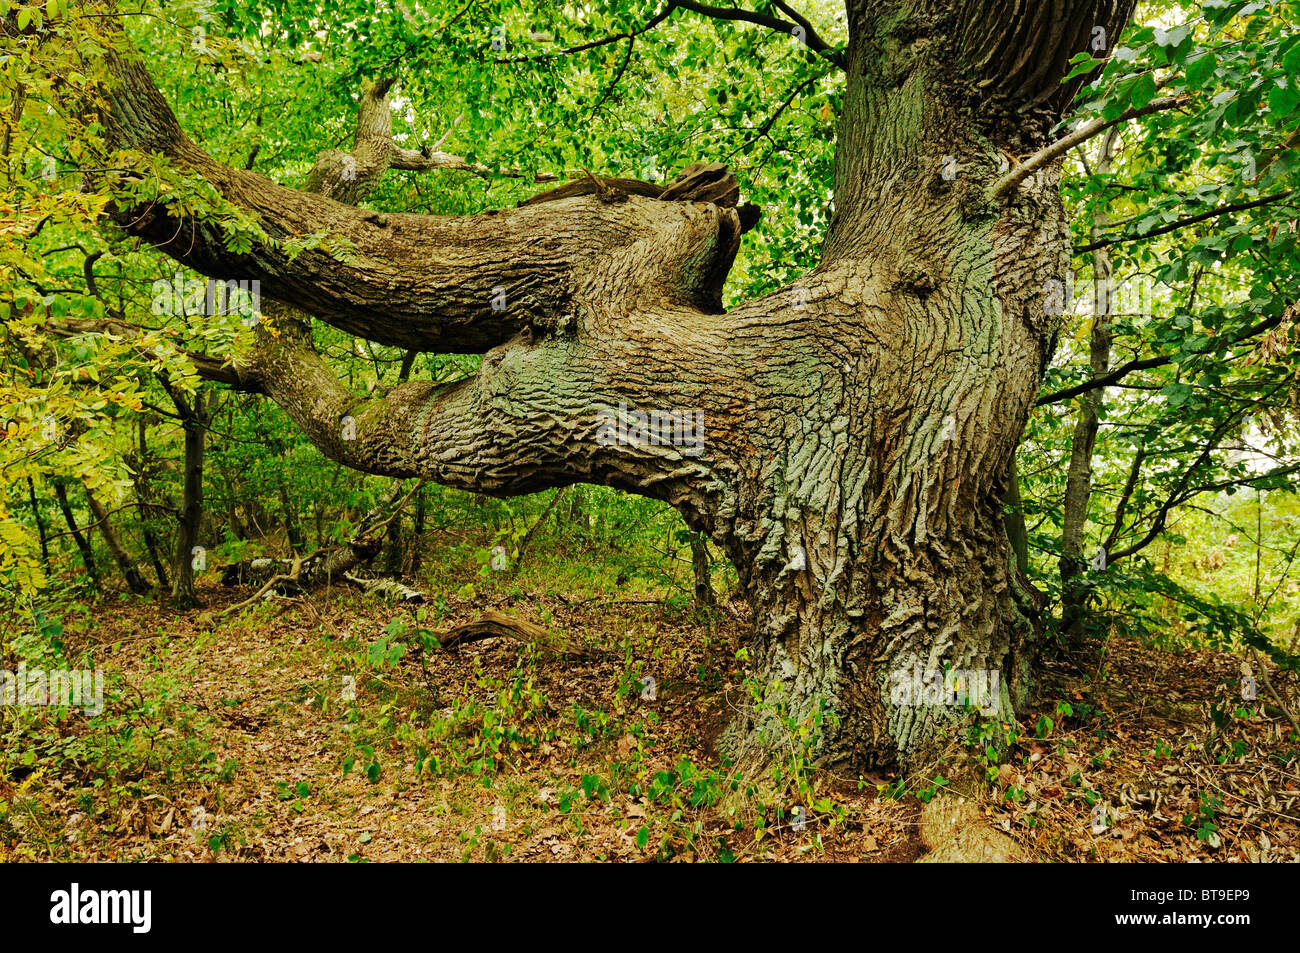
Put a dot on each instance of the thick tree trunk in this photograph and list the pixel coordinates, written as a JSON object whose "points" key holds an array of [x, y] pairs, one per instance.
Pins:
{"points": [[869, 532]]}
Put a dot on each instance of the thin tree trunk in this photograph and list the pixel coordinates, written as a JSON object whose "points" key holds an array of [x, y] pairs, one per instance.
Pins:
{"points": [[83, 544], [531, 532], [142, 492], [395, 549], [297, 543], [394, 558], [417, 537], [135, 580], [700, 565], [394, 543], [1078, 484], [40, 525], [194, 420]]}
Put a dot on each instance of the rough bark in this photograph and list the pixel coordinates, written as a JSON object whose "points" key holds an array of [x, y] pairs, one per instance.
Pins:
{"points": [[858, 425]]}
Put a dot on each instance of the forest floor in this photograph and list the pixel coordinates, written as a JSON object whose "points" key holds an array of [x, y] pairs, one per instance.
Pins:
{"points": [[323, 729]]}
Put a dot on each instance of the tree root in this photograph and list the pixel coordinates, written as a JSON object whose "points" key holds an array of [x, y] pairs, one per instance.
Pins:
{"points": [[493, 624]]}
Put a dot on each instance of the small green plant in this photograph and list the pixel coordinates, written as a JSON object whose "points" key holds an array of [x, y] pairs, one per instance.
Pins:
{"points": [[1208, 807], [926, 794]]}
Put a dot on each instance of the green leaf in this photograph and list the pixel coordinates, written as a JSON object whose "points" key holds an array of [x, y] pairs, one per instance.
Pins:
{"points": [[1291, 59], [1083, 63], [1283, 99], [1144, 90], [1200, 69]]}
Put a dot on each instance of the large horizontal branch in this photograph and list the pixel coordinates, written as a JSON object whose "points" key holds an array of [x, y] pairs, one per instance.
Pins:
{"points": [[447, 284], [528, 420]]}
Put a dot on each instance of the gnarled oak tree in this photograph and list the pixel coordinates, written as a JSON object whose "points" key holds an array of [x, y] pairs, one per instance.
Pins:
{"points": [[859, 428]]}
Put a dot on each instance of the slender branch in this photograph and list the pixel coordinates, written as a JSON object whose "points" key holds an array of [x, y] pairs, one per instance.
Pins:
{"points": [[1146, 363], [800, 19], [649, 25], [618, 76], [206, 366], [1121, 508], [793, 27], [1184, 222], [1268, 684], [771, 120], [810, 38], [1244, 481], [1180, 491], [1060, 147]]}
